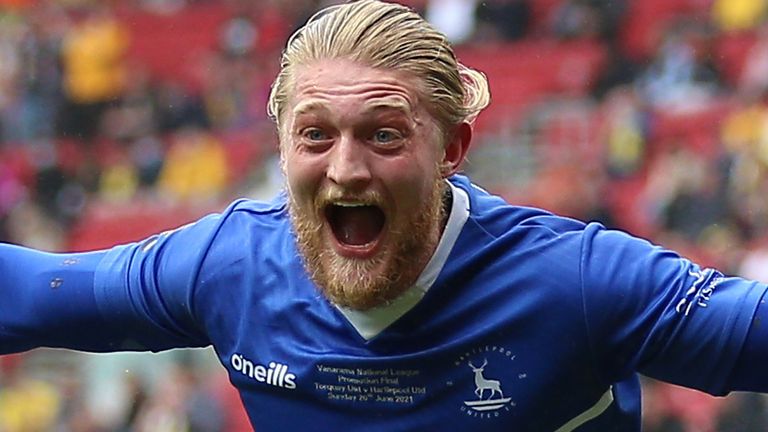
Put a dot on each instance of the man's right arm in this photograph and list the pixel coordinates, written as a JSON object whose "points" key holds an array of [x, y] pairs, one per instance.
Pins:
{"points": [[135, 297], [48, 300]]}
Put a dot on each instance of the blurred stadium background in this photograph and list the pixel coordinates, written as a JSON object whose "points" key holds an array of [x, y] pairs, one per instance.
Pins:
{"points": [[119, 119]]}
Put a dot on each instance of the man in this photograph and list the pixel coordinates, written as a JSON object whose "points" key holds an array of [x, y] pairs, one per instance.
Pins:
{"points": [[383, 290]]}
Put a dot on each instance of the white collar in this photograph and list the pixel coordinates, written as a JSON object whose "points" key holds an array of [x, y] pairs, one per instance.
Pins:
{"points": [[372, 322]]}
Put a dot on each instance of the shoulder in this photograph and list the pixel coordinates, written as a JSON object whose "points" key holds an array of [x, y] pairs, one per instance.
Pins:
{"points": [[494, 215], [245, 206], [247, 219], [255, 214], [238, 214], [245, 227]]}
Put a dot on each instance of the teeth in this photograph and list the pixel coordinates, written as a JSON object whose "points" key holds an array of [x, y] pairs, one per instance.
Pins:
{"points": [[349, 204]]}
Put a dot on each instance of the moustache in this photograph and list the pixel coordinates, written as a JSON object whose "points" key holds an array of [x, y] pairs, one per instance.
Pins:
{"points": [[330, 196]]}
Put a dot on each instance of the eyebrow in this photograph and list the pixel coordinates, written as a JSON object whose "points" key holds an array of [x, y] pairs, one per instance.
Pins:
{"points": [[376, 105], [306, 107], [389, 103]]}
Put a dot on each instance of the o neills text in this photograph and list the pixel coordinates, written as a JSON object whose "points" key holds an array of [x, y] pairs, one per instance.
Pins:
{"points": [[275, 374]]}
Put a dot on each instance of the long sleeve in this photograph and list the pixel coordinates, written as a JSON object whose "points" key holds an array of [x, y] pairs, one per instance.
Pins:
{"points": [[132, 297], [48, 300], [650, 310], [750, 372]]}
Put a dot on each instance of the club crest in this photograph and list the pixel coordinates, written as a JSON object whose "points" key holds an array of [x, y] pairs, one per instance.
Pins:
{"points": [[491, 389]]}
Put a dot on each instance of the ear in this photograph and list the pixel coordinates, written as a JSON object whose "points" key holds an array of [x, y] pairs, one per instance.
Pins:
{"points": [[456, 149]]}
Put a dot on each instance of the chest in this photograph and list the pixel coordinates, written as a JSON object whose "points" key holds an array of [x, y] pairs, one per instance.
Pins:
{"points": [[319, 374], [505, 360], [480, 386]]}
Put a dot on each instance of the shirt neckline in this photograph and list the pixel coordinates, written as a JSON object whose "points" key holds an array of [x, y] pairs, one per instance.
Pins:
{"points": [[372, 322]]}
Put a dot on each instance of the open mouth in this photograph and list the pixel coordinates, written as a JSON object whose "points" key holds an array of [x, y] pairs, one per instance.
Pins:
{"points": [[355, 224]]}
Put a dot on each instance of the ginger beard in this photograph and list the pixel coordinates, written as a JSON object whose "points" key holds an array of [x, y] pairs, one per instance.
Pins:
{"points": [[363, 284]]}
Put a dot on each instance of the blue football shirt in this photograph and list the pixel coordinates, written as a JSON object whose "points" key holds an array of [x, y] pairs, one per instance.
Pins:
{"points": [[521, 320]]}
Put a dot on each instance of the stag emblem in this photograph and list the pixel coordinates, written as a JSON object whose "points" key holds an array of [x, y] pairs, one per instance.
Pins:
{"points": [[482, 384]]}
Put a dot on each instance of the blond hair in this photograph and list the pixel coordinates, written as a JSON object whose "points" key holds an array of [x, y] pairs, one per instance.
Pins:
{"points": [[388, 36]]}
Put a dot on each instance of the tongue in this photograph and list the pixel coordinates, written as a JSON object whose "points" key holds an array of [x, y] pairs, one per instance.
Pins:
{"points": [[357, 225]]}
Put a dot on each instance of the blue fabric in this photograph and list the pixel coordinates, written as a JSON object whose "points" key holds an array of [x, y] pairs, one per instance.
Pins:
{"points": [[534, 320], [749, 373]]}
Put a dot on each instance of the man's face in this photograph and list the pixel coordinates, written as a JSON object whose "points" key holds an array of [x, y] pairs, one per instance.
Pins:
{"points": [[362, 157]]}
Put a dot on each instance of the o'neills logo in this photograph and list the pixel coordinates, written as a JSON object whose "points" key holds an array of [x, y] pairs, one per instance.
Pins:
{"points": [[275, 374]]}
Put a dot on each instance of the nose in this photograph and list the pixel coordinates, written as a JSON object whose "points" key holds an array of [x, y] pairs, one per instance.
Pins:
{"points": [[348, 166]]}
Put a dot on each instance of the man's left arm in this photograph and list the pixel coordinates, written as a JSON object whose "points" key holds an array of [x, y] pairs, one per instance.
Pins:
{"points": [[652, 311], [750, 372]]}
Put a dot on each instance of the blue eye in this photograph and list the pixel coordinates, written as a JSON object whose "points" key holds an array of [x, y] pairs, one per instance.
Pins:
{"points": [[315, 134], [385, 136]]}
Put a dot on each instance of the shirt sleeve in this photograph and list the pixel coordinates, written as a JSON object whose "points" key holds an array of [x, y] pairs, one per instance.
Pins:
{"points": [[749, 373], [135, 297], [650, 310], [47, 300]]}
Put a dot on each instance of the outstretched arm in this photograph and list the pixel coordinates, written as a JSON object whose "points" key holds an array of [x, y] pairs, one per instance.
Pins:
{"points": [[751, 373], [48, 300], [135, 297], [652, 311]]}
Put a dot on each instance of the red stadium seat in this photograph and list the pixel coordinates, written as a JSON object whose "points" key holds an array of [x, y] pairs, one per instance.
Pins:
{"points": [[174, 46], [648, 19], [524, 73], [103, 225], [731, 50], [697, 129]]}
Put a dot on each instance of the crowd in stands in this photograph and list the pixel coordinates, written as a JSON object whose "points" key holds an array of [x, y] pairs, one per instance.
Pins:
{"points": [[123, 118]]}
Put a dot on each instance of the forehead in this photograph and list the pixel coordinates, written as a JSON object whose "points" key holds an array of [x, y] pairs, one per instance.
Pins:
{"points": [[340, 85]]}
